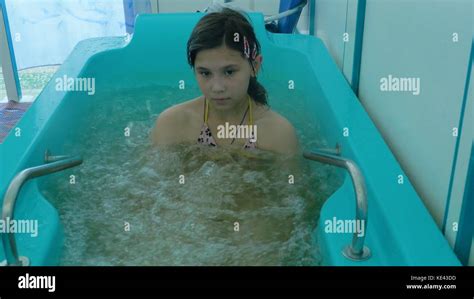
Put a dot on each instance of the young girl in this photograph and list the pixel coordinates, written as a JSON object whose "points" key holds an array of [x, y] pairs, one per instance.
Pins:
{"points": [[225, 56]]}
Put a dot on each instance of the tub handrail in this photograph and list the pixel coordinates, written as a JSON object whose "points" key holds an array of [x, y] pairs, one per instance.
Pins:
{"points": [[9, 200], [355, 251]]}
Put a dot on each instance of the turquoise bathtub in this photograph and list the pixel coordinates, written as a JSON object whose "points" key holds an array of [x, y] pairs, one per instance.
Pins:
{"points": [[400, 230]]}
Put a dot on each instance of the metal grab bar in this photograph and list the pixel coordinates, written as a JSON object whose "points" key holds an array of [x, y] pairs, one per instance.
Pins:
{"points": [[9, 200], [356, 250]]}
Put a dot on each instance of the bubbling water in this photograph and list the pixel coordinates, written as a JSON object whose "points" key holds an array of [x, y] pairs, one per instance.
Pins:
{"points": [[133, 204]]}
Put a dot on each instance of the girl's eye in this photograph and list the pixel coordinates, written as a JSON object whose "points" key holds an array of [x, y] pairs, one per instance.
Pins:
{"points": [[204, 74], [229, 72]]}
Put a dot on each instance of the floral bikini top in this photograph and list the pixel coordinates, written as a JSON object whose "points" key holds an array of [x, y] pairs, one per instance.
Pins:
{"points": [[205, 137]]}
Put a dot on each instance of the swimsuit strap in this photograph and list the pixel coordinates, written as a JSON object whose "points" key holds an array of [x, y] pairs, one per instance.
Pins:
{"points": [[245, 114], [206, 110], [249, 144], [249, 108], [251, 114]]}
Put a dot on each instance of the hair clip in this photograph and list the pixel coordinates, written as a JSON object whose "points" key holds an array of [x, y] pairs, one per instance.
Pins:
{"points": [[254, 51], [246, 48]]}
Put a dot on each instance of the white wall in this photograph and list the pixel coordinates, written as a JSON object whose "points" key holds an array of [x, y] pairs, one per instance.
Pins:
{"points": [[182, 5], [330, 25], [462, 163], [413, 38], [267, 7]]}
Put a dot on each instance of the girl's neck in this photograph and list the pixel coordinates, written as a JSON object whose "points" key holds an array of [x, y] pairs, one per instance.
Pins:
{"points": [[230, 115]]}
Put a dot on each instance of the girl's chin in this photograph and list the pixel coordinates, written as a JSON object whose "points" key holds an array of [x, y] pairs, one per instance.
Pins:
{"points": [[222, 104]]}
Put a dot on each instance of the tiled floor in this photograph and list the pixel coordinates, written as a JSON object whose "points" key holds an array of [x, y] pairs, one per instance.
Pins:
{"points": [[10, 113], [32, 81]]}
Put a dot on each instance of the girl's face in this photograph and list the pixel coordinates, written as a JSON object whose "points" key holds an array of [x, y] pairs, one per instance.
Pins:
{"points": [[223, 76]]}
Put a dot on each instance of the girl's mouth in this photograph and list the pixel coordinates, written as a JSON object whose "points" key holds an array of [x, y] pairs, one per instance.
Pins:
{"points": [[221, 100]]}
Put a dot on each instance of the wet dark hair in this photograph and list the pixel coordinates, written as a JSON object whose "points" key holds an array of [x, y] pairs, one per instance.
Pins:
{"points": [[227, 26]]}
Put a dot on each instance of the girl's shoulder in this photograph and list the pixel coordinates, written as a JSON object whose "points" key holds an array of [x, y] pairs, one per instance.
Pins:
{"points": [[276, 133], [264, 115], [177, 123], [184, 111]]}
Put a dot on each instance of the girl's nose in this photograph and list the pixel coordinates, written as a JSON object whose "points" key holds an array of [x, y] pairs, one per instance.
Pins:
{"points": [[217, 85]]}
